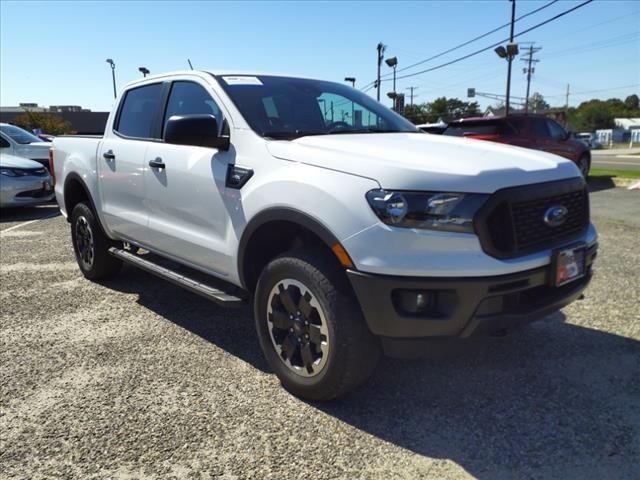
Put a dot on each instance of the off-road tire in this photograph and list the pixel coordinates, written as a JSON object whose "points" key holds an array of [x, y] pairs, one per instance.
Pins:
{"points": [[353, 351], [97, 264]]}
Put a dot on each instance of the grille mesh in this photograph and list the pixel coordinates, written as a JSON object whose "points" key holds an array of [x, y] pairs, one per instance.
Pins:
{"points": [[528, 219]]}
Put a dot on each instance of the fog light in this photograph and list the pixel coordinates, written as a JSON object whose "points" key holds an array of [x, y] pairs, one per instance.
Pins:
{"points": [[414, 302]]}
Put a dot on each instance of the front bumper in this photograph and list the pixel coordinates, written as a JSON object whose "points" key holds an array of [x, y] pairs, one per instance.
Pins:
{"points": [[464, 307], [22, 191]]}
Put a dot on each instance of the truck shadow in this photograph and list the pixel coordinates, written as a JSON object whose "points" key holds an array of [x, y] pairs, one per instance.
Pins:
{"points": [[231, 329], [550, 394]]}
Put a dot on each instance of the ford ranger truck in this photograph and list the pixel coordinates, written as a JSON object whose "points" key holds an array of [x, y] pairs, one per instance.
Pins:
{"points": [[350, 231]]}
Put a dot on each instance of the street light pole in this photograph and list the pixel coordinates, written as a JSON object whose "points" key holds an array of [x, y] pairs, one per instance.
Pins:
{"points": [[113, 75], [144, 71], [351, 80], [381, 48], [510, 58]]}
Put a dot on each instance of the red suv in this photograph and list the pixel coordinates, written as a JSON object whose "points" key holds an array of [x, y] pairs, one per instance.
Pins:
{"points": [[529, 131]]}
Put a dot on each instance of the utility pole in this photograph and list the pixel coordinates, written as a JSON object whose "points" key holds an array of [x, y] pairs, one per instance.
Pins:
{"points": [[529, 71], [381, 48], [411, 95], [566, 101], [510, 58]]}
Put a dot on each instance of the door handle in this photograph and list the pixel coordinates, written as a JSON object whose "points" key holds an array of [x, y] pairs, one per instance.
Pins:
{"points": [[156, 163], [109, 155]]}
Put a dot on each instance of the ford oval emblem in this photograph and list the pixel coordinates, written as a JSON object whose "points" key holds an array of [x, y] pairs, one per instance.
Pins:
{"points": [[556, 215]]}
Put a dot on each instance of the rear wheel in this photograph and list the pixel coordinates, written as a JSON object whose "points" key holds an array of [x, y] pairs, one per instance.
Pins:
{"points": [[311, 329], [584, 164], [91, 245]]}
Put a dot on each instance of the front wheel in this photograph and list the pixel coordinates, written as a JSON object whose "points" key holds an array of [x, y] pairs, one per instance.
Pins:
{"points": [[584, 164], [311, 329]]}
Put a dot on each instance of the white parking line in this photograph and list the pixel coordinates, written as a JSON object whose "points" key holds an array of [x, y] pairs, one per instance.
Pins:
{"points": [[24, 224]]}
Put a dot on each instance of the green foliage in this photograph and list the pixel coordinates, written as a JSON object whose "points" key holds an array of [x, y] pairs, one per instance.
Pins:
{"points": [[632, 102], [48, 123], [537, 103], [445, 108], [599, 114]]}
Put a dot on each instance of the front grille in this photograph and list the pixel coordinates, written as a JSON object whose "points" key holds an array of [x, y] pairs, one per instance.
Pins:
{"points": [[512, 221], [528, 219]]}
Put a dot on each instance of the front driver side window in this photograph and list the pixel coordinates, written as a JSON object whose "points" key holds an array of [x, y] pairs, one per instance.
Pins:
{"points": [[189, 98], [556, 130]]}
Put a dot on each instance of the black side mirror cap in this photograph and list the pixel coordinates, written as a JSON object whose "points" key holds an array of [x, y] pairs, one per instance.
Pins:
{"points": [[195, 130]]}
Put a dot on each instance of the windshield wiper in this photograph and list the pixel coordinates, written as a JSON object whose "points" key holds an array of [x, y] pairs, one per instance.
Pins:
{"points": [[284, 135]]}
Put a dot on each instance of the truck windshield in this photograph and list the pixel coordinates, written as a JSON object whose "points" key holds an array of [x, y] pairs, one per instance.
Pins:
{"points": [[19, 135], [288, 108]]}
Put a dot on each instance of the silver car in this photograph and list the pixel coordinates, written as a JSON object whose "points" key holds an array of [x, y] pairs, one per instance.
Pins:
{"points": [[23, 182]]}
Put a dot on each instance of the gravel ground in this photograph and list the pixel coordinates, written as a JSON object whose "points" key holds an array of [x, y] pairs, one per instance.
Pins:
{"points": [[136, 378]]}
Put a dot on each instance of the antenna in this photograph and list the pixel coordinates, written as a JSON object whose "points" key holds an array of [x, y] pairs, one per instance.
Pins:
{"points": [[191, 66]]}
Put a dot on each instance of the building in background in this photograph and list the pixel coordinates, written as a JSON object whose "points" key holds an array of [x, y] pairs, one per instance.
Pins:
{"points": [[82, 120]]}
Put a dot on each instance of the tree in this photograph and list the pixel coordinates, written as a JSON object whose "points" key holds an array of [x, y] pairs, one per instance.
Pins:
{"points": [[632, 102], [442, 107], [48, 123], [592, 115], [537, 103]]}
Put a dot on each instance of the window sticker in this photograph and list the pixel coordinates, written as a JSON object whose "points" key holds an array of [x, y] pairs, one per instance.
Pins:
{"points": [[242, 80]]}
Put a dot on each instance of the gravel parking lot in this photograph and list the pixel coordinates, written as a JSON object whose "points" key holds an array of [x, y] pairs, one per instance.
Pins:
{"points": [[136, 378]]}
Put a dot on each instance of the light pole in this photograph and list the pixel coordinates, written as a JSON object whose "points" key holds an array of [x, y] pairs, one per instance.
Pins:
{"points": [[381, 48], [113, 75], [351, 80], [144, 71], [509, 53], [393, 63]]}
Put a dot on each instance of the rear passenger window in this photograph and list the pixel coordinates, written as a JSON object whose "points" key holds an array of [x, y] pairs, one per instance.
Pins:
{"points": [[139, 111], [189, 98]]}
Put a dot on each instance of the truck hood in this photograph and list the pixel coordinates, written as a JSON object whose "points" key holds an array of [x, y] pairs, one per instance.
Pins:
{"points": [[416, 161]]}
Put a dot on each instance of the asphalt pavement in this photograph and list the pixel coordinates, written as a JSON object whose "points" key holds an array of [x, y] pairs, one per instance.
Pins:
{"points": [[136, 378]]}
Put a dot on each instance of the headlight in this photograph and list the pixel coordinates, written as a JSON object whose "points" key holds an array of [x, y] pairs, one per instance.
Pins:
{"points": [[451, 212], [9, 172], [19, 172]]}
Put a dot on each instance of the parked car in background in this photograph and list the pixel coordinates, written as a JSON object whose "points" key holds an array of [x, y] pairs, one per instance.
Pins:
{"points": [[17, 141], [589, 139], [436, 128], [529, 131], [23, 182]]}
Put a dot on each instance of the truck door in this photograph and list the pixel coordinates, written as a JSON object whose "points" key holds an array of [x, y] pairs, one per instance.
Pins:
{"points": [[187, 199], [121, 158]]}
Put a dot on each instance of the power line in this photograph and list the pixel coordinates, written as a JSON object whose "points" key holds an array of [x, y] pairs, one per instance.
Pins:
{"points": [[469, 41], [595, 91], [477, 38], [562, 14]]}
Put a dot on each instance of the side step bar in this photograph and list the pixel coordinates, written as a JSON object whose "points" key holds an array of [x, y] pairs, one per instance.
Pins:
{"points": [[190, 284]]}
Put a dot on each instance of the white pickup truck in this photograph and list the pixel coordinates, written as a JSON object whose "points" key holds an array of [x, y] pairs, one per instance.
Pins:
{"points": [[350, 230]]}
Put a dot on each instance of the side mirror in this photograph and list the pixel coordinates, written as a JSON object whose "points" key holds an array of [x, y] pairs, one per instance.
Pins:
{"points": [[196, 130]]}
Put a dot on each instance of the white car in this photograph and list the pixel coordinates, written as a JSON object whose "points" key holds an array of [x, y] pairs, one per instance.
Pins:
{"points": [[349, 229], [23, 182], [17, 141]]}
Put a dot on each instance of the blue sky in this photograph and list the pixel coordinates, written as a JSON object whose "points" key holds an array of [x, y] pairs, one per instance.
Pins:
{"points": [[54, 52]]}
